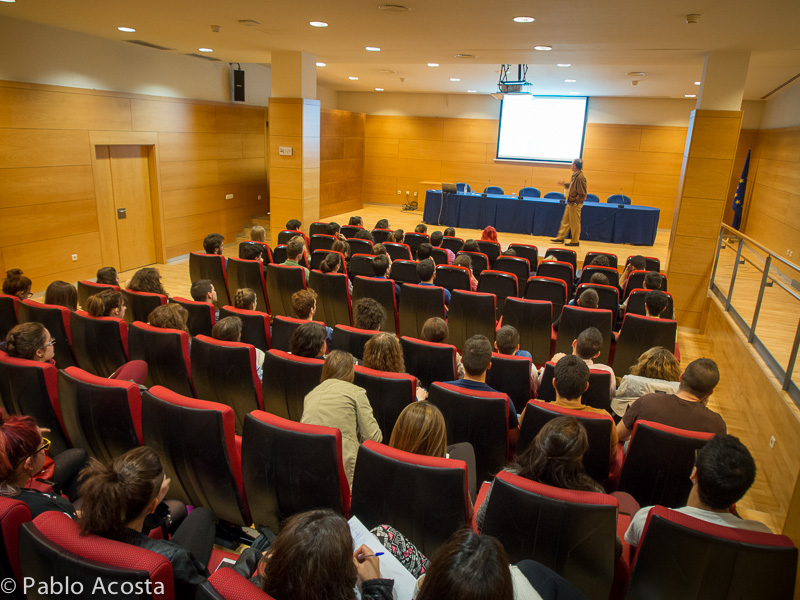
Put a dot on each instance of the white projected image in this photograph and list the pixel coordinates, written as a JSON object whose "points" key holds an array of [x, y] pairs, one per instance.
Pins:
{"points": [[542, 128]]}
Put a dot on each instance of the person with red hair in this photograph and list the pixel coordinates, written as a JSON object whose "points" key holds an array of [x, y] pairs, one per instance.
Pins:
{"points": [[489, 234]]}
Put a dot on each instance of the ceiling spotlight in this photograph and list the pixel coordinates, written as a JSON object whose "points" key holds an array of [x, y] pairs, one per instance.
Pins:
{"points": [[570, 80], [318, 23], [454, 79], [433, 64], [378, 89], [205, 49], [322, 64], [372, 49], [351, 78], [472, 91], [123, 29], [690, 95], [697, 83], [543, 48], [524, 19], [564, 65]]}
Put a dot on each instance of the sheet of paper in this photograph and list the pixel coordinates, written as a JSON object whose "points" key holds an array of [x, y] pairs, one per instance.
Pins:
{"points": [[404, 582]]}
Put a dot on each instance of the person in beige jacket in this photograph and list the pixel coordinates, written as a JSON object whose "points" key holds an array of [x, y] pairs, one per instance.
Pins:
{"points": [[336, 402]]}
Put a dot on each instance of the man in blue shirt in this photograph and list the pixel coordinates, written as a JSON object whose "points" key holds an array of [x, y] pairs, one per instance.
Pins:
{"points": [[381, 265], [426, 270], [477, 359]]}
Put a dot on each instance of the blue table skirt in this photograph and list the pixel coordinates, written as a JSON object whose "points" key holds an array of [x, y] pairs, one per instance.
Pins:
{"points": [[600, 222]]}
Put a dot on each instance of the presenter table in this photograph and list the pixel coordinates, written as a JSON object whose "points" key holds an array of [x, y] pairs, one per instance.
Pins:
{"points": [[600, 222]]}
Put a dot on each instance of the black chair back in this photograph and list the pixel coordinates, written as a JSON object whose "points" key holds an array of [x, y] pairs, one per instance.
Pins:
{"points": [[57, 321], [361, 265], [598, 394], [418, 303], [90, 288], [590, 256], [534, 321], [558, 270], [528, 251], [439, 256], [638, 334], [414, 240], [210, 266], [397, 251], [100, 344], [248, 274], [288, 379], [350, 231], [8, 314], [511, 375], [635, 305], [352, 339], [404, 271], [608, 299], [282, 282], [453, 277], [318, 227], [383, 292], [454, 244], [321, 242], [255, 326], [429, 361], [492, 251], [516, 265], [611, 274], [333, 297], [575, 319], [381, 235], [470, 313], [503, 285], [141, 304], [548, 289], [166, 352], [564, 255], [360, 246], [388, 394], [266, 254], [202, 316], [480, 262], [282, 330]]}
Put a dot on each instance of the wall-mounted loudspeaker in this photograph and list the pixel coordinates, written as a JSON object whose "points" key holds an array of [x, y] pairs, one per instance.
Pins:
{"points": [[238, 85]]}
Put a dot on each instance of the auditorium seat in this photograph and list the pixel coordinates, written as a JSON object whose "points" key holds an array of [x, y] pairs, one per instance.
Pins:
{"points": [[360, 246], [57, 321], [533, 319], [571, 532], [248, 274], [608, 299], [618, 199], [210, 266], [352, 339], [453, 277], [454, 244], [564, 255], [558, 270], [141, 304], [383, 292], [404, 271], [610, 272], [397, 251], [388, 394], [597, 395], [333, 297], [255, 326], [202, 315], [470, 313], [414, 240], [480, 262], [590, 256], [90, 288], [635, 304], [651, 263], [100, 344], [424, 497], [225, 372], [200, 451], [13, 513], [290, 467], [637, 335], [503, 285], [528, 251], [418, 303], [318, 227], [285, 236], [227, 584], [166, 352], [530, 192], [103, 416], [576, 319], [439, 256], [350, 231], [381, 235], [282, 330], [516, 265], [30, 388], [8, 314], [547, 289], [429, 361], [287, 380], [282, 282], [266, 254], [480, 418], [635, 281], [491, 249], [321, 242], [511, 375]]}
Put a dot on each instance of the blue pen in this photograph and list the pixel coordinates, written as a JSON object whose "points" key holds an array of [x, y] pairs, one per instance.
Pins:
{"points": [[362, 556]]}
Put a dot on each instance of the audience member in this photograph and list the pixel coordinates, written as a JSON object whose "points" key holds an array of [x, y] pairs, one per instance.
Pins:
{"points": [[16, 284], [108, 303], [229, 329], [308, 340], [258, 234], [508, 252], [333, 264], [685, 410], [450, 232], [245, 299], [108, 276], [588, 346], [589, 298], [61, 293], [489, 234], [294, 250], [652, 281], [382, 224], [436, 241], [333, 229], [398, 235], [507, 342], [571, 380], [471, 246], [336, 402], [368, 314], [723, 472], [435, 330], [421, 228], [383, 352], [381, 266], [293, 225], [356, 221], [212, 243], [655, 303], [203, 290], [426, 270], [252, 252], [147, 280], [169, 316], [343, 247], [657, 370], [378, 248], [601, 260], [363, 234], [599, 279], [424, 250], [477, 360], [637, 263], [463, 260], [304, 305]]}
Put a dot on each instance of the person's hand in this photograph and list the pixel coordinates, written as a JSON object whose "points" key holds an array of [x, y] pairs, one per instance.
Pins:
{"points": [[43, 430], [562, 183], [557, 357], [422, 394], [367, 564], [162, 493]]}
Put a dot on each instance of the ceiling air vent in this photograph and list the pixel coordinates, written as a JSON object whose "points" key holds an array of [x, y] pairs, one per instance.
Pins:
{"points": [[211, 58], [148, 44], [465, 56]]}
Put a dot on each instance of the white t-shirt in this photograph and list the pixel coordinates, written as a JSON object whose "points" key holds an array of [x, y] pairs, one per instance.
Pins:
{"points": [[726, 519]]}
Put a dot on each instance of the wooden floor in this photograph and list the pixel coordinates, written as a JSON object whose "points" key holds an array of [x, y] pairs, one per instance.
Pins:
{"points": [[756, 504]]}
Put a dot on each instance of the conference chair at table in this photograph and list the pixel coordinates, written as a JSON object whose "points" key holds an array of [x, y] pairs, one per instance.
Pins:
{"points": [[100, 344], [597, 395], [425, 497], [530, 192], [640, 333], [90, 288], [8, 314], [493, 189], [166, 352], [352, 339], [333, 297], [57, 321], [141, 304], [202, 315], [383, 292], [213, 267], [618, 199], [282, 282], [471, 313], [287, 380], [555, 195], [503, 285], [592, 198], [255, 326], [576, 319], [429, 361], [249, 274], [198, 446], [388, 394], [290, 467], [533, 319], [463, 187], [103, 416]]}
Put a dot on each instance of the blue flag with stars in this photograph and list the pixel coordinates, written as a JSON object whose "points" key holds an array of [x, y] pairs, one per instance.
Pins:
{"points": [[738, 199]]}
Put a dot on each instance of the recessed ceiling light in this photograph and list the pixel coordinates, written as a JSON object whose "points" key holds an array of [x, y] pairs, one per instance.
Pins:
{"points": [[433, 64], [378, 89], [564, 64], [318, 23], [524, 19], [205, 49], [636, 74], [322, 64], [372, 49], [454, 79], [351, 78], [543, 48], [697, 83], [472, 91], [8, 0], [464, 56], [123, 29], [570, 80], [393, 7], [690, 95]]}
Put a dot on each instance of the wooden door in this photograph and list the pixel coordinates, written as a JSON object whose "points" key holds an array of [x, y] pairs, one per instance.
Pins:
{"points": [[130, 179]]}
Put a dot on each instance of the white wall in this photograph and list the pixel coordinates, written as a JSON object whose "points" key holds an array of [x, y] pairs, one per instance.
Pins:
{"points": [[328, 98], [48, 55], [783, 109]]}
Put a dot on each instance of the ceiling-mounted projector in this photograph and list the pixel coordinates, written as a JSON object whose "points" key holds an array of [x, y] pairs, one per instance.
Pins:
{"points": [[519, 86]]}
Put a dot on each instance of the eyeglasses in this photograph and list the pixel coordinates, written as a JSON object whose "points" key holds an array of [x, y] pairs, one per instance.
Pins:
{"points": [[51, 343], [45, 446]]}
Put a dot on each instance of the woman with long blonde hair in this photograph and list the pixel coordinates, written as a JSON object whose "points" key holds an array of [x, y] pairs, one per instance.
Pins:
{"points": [[657, 370]]}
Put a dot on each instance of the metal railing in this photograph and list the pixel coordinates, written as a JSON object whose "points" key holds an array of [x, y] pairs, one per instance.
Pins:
{"points": [[750, 279]]}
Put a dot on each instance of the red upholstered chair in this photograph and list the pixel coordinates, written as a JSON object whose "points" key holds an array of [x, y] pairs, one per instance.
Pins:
{"points": [[439, 256], [199, 449], [383, 292], [388, 394], [227, 584], [547, 289], [610, 272], [564, 255], [558, 270], [213, 267], [596, 461], [429, 361], [575, 319], [141, 304], [516, 265], [404, 271], [381, 235], [266, 253], [635, 281], [225, 372], [321, 241], [480, 418], [454, 244], [569, 531], [511, 375], [291, 467], [597, 395], [52, 547], [453, 277], [103, 416], [608, 298], [361, 264], [397, 251], [255, 326], [8, 314], [360, 246], [202, 315], [282, 330], [635, 305], [651, 263], [279, 256], [590, 256], [683, 557], [166, 352], [638, 334], [350, 231], [352, 339], [13, 513], [503, 285], [287, 234], [480, 262], [528, 251], [492, 251], [658, 462], [248, 274], [287, 379], [470, 313], [423, 495], [414, 240], [57, 321], [100, 344], [30, 388], [418, 303], [333, 297], [282, 282], [534, 321], [90, 288]]}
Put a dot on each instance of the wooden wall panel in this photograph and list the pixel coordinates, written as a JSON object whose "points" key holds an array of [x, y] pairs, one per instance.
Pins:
{"points": [[44, 185], [78, 216], [343, 149], [43, 148], [45, 262], [157, 115], [37, 109]]}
